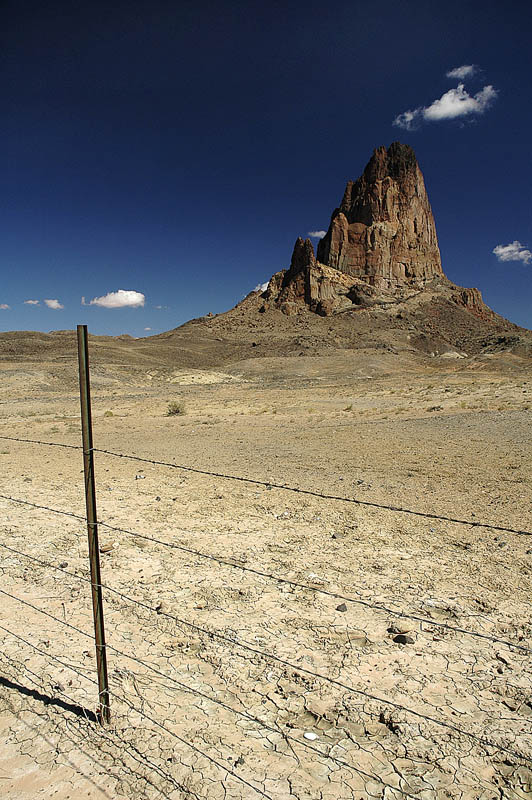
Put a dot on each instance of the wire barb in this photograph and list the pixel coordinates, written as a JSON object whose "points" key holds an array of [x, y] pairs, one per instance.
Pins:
{"points": [[284, 487], [320, 676], [277, 578]]}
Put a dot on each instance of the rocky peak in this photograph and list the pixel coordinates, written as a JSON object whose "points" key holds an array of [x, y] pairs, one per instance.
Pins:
{"points": [[380, 252], [383, 233], [302, 256]]}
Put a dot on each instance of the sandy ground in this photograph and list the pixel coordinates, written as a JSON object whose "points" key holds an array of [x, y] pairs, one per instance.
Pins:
{"points": [[392, 660]]}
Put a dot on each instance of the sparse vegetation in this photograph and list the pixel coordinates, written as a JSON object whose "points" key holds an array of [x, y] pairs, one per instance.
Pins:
{"points": [[175, 408], [108, 414]]}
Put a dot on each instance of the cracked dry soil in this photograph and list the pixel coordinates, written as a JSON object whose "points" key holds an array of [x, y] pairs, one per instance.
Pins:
{"points": [[324, 650]]}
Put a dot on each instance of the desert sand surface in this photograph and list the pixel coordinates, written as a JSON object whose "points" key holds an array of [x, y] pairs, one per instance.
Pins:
{"points": [[283, 644]]}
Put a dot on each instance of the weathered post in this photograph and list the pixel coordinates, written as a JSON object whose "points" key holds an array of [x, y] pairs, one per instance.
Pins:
{"points": [[104, 713]]}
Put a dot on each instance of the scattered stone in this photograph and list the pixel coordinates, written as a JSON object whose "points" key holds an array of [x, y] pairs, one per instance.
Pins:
{"points": [[500, 657], [401, 627], [106, 548], [341, 607], [310, 736], [139, 477], [63, 564], [316, 580], [402, 639], [157, 498]]}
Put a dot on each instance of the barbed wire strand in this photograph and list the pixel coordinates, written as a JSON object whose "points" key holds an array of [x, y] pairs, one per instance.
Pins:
{"points": [[139, 711], [288, 581], [316, 589], [47, 614], [90, 716], [144, 760], [352, 689], [37, 441], [199, 693], [320, 676], [285, 487], [49, 655], [196, 749], [43, 508], [314, 493]]}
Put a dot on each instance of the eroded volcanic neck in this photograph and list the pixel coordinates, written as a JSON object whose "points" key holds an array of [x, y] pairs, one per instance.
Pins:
{"points": [[383, 233]]}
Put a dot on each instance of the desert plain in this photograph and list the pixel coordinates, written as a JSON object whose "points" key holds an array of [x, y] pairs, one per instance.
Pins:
{"points": [[315, 645]]}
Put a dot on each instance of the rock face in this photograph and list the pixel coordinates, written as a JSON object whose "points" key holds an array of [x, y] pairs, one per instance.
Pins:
{"points": [[306, 283], [472, 300], [380, 251], [383, 233]]}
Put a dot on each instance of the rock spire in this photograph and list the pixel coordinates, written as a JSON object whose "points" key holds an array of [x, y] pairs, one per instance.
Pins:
{"points": [[383, 233]]}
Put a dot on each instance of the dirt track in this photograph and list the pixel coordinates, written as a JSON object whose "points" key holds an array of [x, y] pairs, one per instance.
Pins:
{"points": [[430, 712]]}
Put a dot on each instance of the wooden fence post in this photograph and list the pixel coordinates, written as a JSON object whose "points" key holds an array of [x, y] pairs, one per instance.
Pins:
{"points": [[104, 712]]}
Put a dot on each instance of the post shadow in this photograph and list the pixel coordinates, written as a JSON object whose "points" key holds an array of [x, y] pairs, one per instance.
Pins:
{"points": [[73, 708]]}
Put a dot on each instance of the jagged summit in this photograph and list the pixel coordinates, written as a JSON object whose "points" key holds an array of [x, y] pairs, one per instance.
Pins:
{"points": [[381, 246], [383, 232]]}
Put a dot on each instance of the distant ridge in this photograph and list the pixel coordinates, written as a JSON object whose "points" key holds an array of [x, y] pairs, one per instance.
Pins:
{"points": [[376, 285]]}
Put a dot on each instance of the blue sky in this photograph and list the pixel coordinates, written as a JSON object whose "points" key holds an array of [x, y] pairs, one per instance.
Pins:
{"points": [[171, 152]]}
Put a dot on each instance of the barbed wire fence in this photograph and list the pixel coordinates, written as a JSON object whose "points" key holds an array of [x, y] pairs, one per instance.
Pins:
{"points": [[352, 762]]}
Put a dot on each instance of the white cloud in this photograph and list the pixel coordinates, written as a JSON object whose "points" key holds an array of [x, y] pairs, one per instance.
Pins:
{"points": [[261, 287], [55, 304], [123, 298], [513, 252], [317, 234], [458, 103], [31, 303], [147, 329], [407, 120], [460, 73], [4, 307], [451, 105]]}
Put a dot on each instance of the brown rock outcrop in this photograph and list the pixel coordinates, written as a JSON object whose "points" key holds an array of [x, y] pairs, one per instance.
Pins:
{"points": [[302, 256], [380, 252], [383, 233], [321, 289], [472, 300]]}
